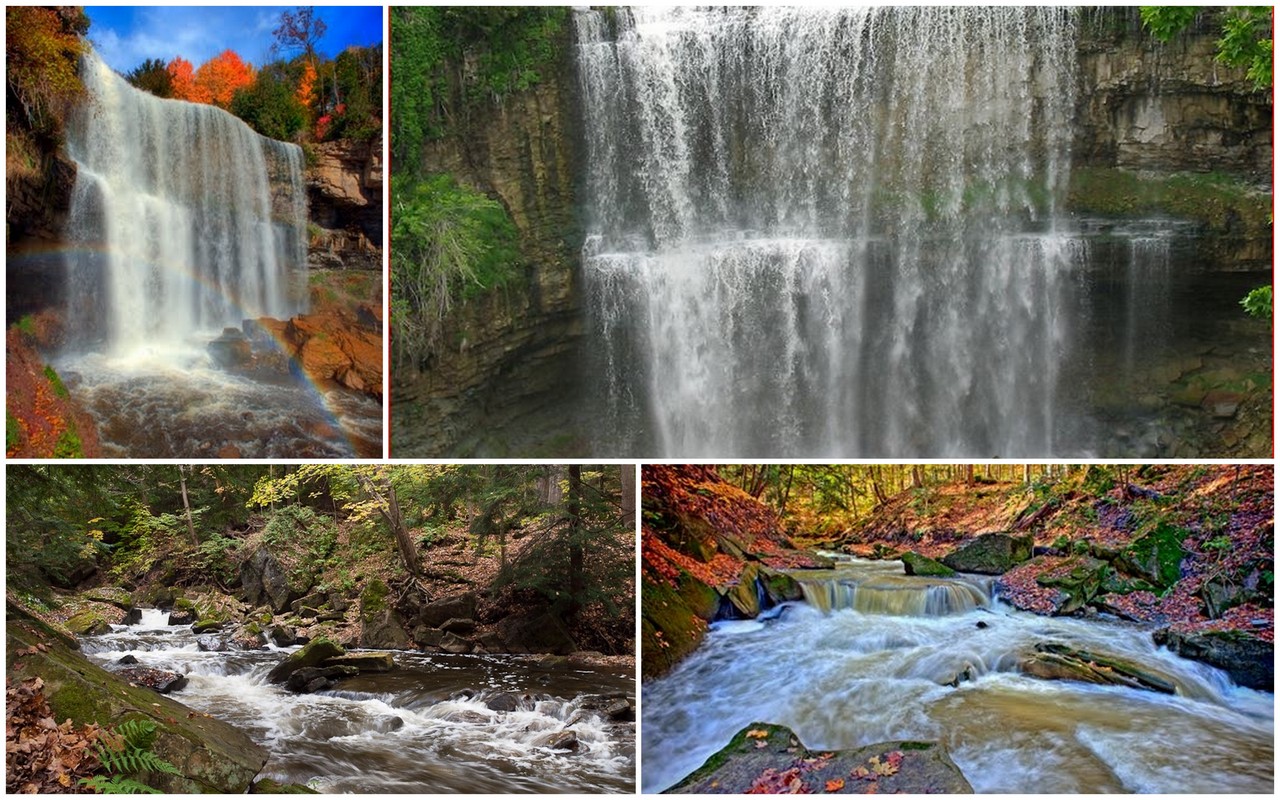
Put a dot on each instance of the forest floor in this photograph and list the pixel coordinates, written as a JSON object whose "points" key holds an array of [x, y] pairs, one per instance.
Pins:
{"points": [[1224, 516]]}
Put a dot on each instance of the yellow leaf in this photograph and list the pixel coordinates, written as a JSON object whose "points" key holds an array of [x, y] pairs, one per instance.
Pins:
{"points": [[757, 733]]}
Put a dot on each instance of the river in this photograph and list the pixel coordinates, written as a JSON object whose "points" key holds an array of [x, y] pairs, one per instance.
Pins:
{"points": [[412, 730], [876, 667]]}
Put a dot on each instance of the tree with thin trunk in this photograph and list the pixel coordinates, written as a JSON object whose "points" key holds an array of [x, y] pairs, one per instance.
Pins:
{"points": [[186, 504], [389, 509], [577, 581]]}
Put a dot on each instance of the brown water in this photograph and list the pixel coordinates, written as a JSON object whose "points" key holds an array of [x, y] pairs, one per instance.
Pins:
{"points": [[849, 677]]}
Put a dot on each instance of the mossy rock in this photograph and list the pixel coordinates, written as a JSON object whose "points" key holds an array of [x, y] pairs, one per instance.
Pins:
{"points": [[990, 554], [311, 655], [90, 622], [916, 564], [1157, 556], [673, 621], [781, 586], [1249, 661], [740, 766], [211, 756]]}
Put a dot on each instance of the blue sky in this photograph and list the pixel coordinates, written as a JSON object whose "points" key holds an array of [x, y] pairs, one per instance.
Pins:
{"points": [[125, 36]]}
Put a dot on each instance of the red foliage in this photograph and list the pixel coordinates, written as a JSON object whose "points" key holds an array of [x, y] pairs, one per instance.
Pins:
{"points": [[215, 83]]}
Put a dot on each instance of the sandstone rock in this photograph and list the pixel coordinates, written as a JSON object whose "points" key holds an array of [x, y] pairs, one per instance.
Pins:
{"points": [[364, 662], [462, 627], [922, 767]]}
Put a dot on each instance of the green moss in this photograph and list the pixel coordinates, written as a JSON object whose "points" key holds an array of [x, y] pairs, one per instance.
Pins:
{"points": [[12, 431], [1219, 201], [779, 737], [26, 326], [68, 444], [59, 388], [1159, 554], [374, 598]]}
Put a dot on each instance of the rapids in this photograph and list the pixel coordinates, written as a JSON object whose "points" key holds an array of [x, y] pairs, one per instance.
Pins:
{"points": [[412, 730], [848, 677]]}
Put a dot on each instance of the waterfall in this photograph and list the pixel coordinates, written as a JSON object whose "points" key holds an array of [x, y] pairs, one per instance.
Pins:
{"points": [[922, 599], [828, 232], [183, 220]]}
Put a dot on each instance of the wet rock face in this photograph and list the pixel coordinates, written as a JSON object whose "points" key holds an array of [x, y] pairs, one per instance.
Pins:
{"points": [[990, 554], [344, 189], [1169, 107], [1249, 661], [509, 366]]}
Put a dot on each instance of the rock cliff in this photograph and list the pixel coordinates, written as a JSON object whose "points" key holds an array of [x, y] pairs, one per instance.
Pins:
{"points": [[344, 193]]}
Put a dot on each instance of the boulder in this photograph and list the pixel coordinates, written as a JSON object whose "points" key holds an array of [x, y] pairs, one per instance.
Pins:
{"points": [[673, 621], [282, 635], [1079, 585], [780, 586], [504, 701], [312, 601], [88, 623], [1249, 661], [492, 642], [770, 759], [566, 741], [311, 655], [990, 554], [915, 564], [211, 756], [380, 625], [183, 613], [363, 662], [313, 679], [462, 627], [208, 626], [133, 617], [231, 349], [265, 581], [427, 637], [462, 606], [1156, 556], [127, 659], [160, 680], [453, 643], [536, 633]]}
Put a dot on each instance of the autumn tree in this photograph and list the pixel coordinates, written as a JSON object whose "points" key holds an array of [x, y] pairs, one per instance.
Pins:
{"points": [[222, 76], [182, 80], [42, 51]]}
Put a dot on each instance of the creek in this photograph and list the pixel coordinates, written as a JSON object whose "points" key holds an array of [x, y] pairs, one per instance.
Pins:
{"points": [[185, 222], [421, 728], [871, 656], [837, 232]]}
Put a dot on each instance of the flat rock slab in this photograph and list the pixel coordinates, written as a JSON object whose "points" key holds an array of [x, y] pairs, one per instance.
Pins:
{"points": [[770, 759], [365, 662]]}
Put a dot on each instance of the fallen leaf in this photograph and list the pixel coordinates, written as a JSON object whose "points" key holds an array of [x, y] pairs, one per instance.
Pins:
{"points": [[835, 784], [757, 733]]}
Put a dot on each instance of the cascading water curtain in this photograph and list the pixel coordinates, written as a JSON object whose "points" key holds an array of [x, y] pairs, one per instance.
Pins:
{"points": [[183, 220], [827, 232]]}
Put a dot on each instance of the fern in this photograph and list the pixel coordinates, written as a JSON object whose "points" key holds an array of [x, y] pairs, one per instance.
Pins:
{"points": [[117, 784], [125, 753]]}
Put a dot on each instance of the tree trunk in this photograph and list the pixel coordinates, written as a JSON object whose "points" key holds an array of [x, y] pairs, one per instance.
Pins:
{"points": [[389, 508], [576, 578], [186, 505], [627, 476]]}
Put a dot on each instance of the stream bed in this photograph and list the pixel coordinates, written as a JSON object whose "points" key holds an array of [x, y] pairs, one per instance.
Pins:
{"points": [[871, 657], [422, 728]]}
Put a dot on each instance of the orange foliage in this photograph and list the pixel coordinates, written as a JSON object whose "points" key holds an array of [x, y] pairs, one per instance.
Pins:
{"points": [[215, 83], [182, 75], [223, 75], [307, 85]]}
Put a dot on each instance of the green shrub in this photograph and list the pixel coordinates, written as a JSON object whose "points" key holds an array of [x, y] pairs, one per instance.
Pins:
{"points": [[448, 243]]}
